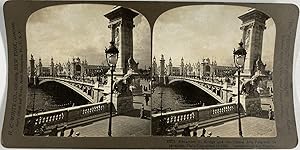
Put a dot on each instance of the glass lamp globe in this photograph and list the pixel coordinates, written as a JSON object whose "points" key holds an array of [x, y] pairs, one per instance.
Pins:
{"points": [[239, 56], [240, 60], [112, 54]]}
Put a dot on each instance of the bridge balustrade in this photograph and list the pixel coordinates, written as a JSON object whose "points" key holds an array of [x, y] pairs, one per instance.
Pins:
{"points": [[66, 115], [87, 83], [206, 82], [195, 114]]}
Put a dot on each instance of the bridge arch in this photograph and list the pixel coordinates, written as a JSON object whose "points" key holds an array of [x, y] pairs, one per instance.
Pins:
{"points": [[70, 86], [202, 87]]}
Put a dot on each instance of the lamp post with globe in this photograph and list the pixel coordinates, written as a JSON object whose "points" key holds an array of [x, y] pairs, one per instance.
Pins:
{"points": [[112, 59], [239, 57]]}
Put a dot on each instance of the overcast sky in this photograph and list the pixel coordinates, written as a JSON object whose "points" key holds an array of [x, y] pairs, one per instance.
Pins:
{"points": [[80, 30], [194, 32]]}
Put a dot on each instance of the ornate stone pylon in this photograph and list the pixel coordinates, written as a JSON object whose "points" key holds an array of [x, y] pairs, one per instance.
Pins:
{"points": [[253, 26], [121, 25]]}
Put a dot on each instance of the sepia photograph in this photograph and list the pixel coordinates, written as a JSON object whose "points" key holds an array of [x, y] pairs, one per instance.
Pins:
{"points": [[88, 72], [212, 71], [150, 75]]}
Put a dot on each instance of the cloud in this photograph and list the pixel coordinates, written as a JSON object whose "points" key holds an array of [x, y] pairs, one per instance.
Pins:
{"points": [[67, 31], [195, 32], [142, 42]]}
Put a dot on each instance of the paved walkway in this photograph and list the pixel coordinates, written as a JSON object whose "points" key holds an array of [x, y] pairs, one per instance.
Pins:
{"points": [[251, 127], [122, 125]]}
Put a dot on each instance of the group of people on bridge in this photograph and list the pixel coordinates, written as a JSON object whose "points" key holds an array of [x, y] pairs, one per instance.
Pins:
{"points": [[189, 131], [55, 132]]}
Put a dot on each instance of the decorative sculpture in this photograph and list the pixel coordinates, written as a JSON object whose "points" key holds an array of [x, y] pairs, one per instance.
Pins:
{"points": [[122, 85], [250, 87], [132, 65], [259, 66]]}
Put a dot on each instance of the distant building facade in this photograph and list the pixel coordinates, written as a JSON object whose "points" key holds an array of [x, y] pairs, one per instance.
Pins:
{"points": [[75, 68], [203, 69]]}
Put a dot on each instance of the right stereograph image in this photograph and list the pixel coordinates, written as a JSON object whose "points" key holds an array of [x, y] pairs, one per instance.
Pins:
{"points": [[212, 68]]}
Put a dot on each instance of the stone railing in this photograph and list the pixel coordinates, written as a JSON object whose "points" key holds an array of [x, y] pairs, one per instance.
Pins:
{"points": [[216, 84], [219, 84], [195, 114], [68, 80], [67, 115]]}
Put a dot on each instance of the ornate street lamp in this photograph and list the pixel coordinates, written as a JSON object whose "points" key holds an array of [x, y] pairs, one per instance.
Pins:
{"points": [[112, 59], [239, 57]]}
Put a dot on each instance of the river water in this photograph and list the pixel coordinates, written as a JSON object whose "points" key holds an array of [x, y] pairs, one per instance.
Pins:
{"points": [[41, 101], [175, 97], [180, 96]]}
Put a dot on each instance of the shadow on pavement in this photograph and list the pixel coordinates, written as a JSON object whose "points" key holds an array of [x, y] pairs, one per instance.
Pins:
{"points": [[136, 113]]}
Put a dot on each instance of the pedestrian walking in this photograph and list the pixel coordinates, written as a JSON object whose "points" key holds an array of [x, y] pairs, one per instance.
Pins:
{"points": [[62, 132], [142, 112], [195, 131], [71, 133], [270, 113], [42, 129], [174, 129], [54, 131], [186, 131], [146, 99], [203, 132], [101, 99]]}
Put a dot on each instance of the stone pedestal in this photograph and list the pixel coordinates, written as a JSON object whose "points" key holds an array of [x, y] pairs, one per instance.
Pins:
{"points": [[251, 106], [251, 101], [123, 103]]}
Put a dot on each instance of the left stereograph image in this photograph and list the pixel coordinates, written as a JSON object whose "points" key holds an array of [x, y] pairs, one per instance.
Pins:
{"points": [[88, 72]]}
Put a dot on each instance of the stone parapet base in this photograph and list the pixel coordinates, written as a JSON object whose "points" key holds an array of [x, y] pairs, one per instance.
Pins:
{"points": [[251, 106], [122, 103]]}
